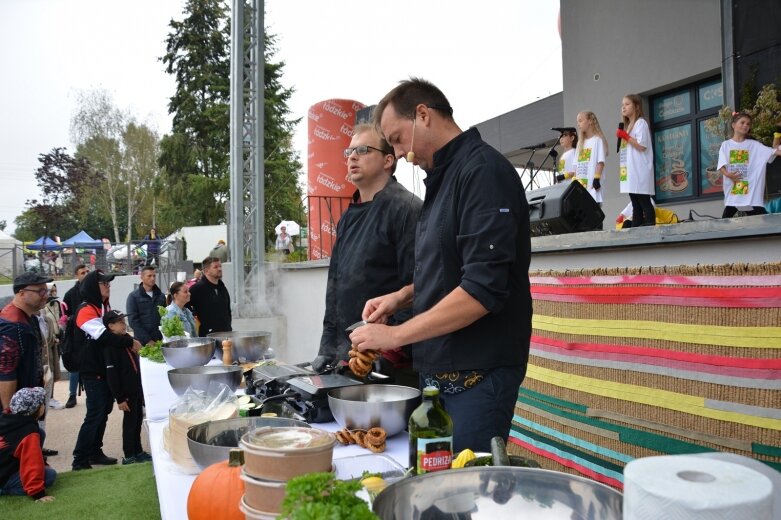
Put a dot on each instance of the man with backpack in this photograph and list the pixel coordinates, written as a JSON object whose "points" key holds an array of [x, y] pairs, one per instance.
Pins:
{"points": [[90, 338]]}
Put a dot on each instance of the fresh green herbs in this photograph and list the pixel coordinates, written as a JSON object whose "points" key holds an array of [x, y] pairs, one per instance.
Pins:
{"points": [[170, 326], [153, 352], [319, 496]]}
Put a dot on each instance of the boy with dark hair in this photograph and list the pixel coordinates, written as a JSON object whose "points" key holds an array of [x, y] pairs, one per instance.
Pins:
{"points": [[23, 470], [123, 375]]}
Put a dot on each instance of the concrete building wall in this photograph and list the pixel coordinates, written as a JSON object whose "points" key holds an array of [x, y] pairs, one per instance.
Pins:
{"points": [[614, 47]]}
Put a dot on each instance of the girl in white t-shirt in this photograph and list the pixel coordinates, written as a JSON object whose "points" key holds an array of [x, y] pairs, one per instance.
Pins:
{"points": [[568, 141], [591, 153], [636, 161], [743, 163]]}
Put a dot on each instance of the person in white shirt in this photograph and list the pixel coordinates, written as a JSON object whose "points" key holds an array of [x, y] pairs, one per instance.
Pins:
{"points": [[636, 161], [284, 243], [568, 141], [743, 163], [591, 154]]}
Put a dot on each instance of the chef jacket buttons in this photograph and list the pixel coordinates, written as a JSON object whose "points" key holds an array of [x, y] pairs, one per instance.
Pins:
{"points": [[491, 246]]}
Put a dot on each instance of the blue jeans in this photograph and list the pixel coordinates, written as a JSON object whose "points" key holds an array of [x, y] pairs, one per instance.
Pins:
{"points": [[73, 383], [100, 402], [14, 484], [484, 411]]}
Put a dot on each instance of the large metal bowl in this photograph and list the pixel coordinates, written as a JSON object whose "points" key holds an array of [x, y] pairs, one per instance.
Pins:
{"points": [[211, 442], [248, 345], [201, 377], [498, 493], [188, 352], [367, 406]]}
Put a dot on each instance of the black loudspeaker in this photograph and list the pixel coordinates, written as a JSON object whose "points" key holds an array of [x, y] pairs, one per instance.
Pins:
{"points": [[566, 207]]}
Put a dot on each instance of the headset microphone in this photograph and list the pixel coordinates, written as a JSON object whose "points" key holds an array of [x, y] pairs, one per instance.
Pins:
{"points": [[411, 154]]}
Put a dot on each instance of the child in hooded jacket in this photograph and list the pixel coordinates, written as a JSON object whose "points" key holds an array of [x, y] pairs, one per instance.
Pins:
{"points": [[23, 470]]}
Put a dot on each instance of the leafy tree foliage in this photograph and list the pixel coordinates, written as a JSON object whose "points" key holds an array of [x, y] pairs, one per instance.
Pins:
{"points": [[195, 157]]}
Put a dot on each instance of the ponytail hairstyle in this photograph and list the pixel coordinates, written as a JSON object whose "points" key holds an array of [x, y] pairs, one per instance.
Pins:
{"points": [[175, 288]]}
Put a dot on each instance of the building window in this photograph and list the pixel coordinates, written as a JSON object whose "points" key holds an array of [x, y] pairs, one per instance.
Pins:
{"points": [[685, 152]]}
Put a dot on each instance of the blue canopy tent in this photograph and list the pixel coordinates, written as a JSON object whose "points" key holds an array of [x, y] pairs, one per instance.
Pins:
{"points": [[44, 243], [83, 241]]}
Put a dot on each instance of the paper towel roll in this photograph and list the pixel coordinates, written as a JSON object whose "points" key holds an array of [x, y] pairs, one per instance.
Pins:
{"points": [[681, 487]]}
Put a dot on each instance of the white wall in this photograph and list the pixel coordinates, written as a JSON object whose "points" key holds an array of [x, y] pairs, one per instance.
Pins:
{"points": [[635, 47]]}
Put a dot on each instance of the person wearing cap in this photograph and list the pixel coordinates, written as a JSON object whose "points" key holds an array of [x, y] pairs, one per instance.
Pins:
{"points": [[23, 470], [568, 140], [123, 375], [70, 302], [92, 333], [21, 341]]}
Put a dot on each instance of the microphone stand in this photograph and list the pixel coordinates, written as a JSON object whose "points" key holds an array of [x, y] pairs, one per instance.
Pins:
{"points": [[551, 153]]}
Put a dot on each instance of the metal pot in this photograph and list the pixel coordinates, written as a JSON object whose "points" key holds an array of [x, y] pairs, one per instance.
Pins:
{"points": [[248, 345], [498, 493]]}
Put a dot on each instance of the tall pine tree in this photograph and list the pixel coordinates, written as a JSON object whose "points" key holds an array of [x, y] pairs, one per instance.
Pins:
{"points": [[195, 156]]}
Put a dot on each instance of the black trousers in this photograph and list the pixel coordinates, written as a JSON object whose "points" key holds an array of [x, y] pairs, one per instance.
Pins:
{"points": [[131, 427], [89, 443], [729, 211], [643, 213]]}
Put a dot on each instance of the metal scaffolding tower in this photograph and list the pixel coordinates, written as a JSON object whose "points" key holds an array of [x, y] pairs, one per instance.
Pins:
{"points": [[246, 236]]}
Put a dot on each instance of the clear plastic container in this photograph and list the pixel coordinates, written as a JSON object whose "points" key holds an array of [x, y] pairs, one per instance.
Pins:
{"points": [[350, 468]]}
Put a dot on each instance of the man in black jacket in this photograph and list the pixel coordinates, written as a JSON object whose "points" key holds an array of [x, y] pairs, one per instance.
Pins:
{"points": [[71, 302], [209, 299], [95, 292], [142, 304], [470, 294], [374, 250]]}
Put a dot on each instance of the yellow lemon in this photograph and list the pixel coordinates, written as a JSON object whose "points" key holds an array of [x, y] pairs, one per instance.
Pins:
{"points": [[463, 457], [373, 484]]}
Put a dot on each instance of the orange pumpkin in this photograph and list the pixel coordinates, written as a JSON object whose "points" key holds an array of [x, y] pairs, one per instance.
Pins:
{"points": [[217, 491]]}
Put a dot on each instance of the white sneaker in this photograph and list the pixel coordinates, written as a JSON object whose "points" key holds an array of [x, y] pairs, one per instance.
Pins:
{"points": [[54, 404]]}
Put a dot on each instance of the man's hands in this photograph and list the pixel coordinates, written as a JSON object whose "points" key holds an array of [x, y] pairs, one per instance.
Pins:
{"points": [[379, 309], [374, 336], [123, 406]]}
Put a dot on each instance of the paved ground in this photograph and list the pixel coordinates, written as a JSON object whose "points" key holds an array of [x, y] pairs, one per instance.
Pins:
{"points": [[62, 428]]}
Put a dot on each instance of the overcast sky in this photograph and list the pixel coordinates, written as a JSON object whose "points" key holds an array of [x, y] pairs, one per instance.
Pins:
{"points": [[488, 57]]}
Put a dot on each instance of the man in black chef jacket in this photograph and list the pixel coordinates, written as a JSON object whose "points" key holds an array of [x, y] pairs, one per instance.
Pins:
{"points": [[374, 250], [209, 299]]}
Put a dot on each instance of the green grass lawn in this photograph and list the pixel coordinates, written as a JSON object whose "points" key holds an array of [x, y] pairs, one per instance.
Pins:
{"points": [[106, 493]]}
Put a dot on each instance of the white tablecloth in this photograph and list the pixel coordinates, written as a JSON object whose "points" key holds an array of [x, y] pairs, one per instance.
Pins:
{"points": [[173, 486]]}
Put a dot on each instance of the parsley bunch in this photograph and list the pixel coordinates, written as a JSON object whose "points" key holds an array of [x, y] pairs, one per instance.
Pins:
{"points": [[321, 496]]}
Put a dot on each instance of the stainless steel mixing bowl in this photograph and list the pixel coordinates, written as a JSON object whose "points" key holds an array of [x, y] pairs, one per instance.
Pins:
{"points": [[498, 493], [248, 345], [367, 406], [211, 442], [201, 377], [188, 352]]}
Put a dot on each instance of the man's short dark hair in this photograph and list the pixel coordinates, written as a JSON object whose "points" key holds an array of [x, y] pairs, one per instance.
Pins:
{"points": [[147, 268], [384, 146], [79, 267], [209, 260], [408, 95]]}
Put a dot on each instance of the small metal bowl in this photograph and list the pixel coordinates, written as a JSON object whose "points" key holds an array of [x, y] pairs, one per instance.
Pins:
{"points": [[188, 352], [199, 378], [367, 406], [248, 345], [211, 442]]}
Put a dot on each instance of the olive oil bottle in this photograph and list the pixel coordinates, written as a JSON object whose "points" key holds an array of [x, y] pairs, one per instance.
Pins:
{"points": [[430, 435]]}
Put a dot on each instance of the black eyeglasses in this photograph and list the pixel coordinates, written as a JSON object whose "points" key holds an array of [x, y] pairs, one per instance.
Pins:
{"points": [[41, 292], [363, 150]]}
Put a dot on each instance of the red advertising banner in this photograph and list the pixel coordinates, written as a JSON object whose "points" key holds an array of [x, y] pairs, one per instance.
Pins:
{"points": [[331, 124]]}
